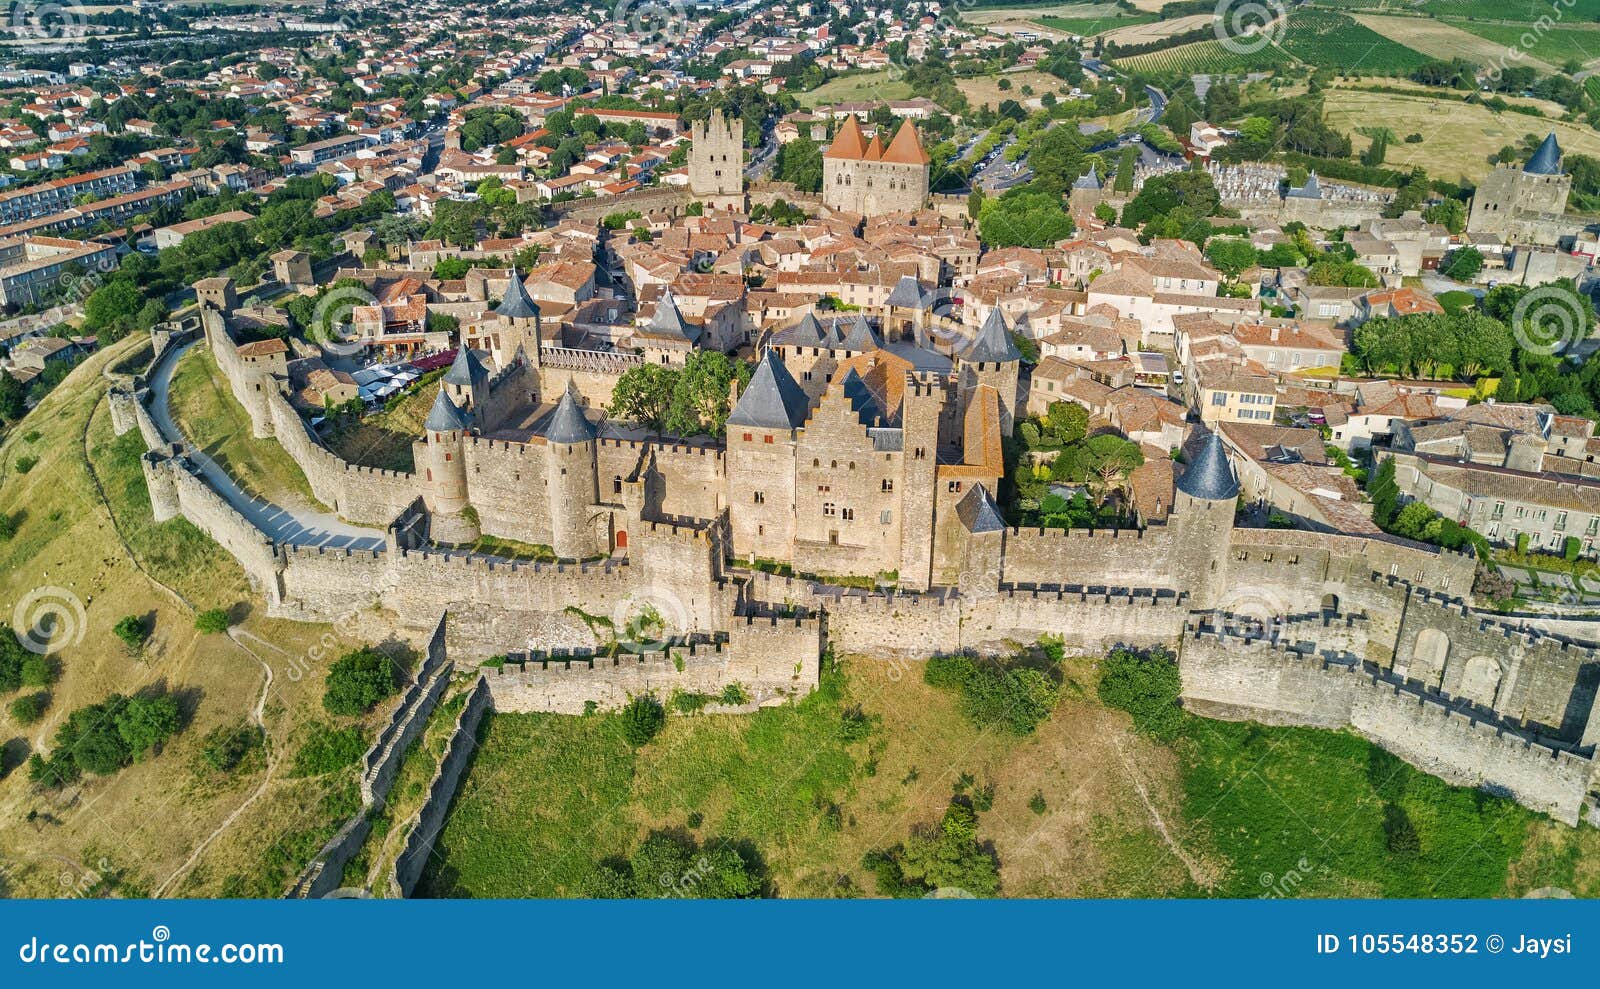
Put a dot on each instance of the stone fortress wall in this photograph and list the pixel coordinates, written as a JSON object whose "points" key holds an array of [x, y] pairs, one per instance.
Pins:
{"points": [[1383, 616]]}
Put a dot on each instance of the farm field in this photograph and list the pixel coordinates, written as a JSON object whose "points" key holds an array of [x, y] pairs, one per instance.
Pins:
{"points": [[1551, 47], [1140, 34], [1440, 39], [1096, 24], [812, 788], [1336, 41], [884, 84], [986, 91], [1203, 56], [1458, 138], [1527, 11]]}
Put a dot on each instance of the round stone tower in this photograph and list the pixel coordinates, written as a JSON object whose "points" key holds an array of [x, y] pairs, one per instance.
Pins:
{"points": [[570, 479], [991, 359], [1202, 525], [444, 465]]}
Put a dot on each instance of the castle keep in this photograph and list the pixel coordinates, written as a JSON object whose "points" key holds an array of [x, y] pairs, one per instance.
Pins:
{"points": [[861, 176], [716, 162], [1524, 205]]}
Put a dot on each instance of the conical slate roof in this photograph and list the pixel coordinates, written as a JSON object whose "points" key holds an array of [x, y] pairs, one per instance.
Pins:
{"points": [[517, 304], [806, 333], [568, 424], [978, 512], [861, 337], [466, 370], [772, 400], [907, 294], [993, 343], [1546, 160], [1210, 477], [445, 417], [668, 321], [1089, 181]]}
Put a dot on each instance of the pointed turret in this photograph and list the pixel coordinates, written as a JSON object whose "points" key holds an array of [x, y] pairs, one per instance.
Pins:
{"points": [[993, 344], [668, 321], [849, 143], [568, 424], [466, 371], [1547, 159], [773, 399], [862, 338], [1211, 476], [978, 512], [1090, 181], [517, 304], [446, 416], [906, 148]]}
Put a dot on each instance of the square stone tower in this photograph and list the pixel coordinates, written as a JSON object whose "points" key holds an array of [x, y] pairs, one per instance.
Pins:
{"points": [[716, 162]]}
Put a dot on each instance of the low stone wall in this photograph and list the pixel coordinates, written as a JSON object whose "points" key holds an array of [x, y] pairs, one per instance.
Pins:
{"points": [[429, 818], [382, 761]]}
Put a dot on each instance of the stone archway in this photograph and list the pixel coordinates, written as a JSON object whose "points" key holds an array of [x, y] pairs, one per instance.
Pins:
{"points": [[1429, 655], [1480, 681]]}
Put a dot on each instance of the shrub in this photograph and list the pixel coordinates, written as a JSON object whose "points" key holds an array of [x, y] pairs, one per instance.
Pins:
{"points": [[225, 746], [1036, 802], [213, 621], [26, 462], [328, 749], [357, 681], [38, 671], [642, 720], [948, 856], [8, 527], [131, 630], [12, 658], [668, 864], [1146, 685], [102, 738], [734, 694], [1017, 698], [29, 708]]}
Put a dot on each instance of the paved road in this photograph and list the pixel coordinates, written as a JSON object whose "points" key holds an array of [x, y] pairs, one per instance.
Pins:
{"points": [[299, 525]]}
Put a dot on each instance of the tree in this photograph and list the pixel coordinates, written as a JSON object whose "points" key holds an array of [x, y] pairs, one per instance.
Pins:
{"points": [[1024, 219], [145, 722], [213, 621], [672, 864], [1384, 492], [1448, 213], [642, 719], [948, 856], [357, 681], [29, 708], [12, 658], [1338, 272], [13, 398], [1231, 255], [132, 631], [700, 393], [1464, 263], [643, 395]]}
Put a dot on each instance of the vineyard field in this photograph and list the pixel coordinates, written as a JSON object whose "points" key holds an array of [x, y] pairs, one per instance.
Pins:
{"points": [[1335, 41], [1203, 56]]}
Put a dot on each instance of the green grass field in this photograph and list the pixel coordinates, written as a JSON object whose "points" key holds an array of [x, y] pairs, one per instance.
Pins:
{"points": [[1253, 810], [1577, 12], [884, 84]]}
